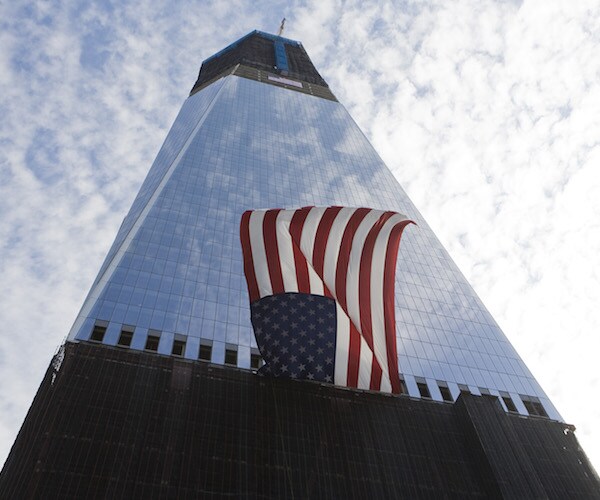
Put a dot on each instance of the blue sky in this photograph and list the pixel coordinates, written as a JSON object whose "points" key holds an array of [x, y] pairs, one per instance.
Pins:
{"points": [[486, 112]]}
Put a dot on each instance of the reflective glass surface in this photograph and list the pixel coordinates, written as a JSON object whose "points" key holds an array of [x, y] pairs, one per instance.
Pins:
{"points": [[238, 144]]}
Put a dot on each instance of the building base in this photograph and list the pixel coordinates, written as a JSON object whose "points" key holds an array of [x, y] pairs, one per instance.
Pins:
{"points": [[114, 423]]}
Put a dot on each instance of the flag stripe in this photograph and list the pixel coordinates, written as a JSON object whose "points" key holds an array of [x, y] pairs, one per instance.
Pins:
{"points": [[389, 278], [272, 250], [353, 271], [341, 347], [367, 269], [365, 367], [248, 258], [296, 226], [353, 306], [341, 273], [307, 239], [321, 241], [378, 261], [364, 283], [286, 251], [257, 245], [354, 345], [334, 247]]}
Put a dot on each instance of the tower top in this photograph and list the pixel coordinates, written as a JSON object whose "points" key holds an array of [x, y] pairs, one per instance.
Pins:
{"points": [[264, 52]]}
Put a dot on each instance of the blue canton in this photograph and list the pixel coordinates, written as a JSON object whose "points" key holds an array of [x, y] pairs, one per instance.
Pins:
{"points": [[296, 334]]}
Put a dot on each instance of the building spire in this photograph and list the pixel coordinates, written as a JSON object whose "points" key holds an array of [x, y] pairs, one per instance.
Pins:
{"points": [[281, 27]]}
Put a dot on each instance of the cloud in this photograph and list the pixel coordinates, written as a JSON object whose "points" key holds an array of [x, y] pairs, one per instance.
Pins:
{"points": [[485, 111]]}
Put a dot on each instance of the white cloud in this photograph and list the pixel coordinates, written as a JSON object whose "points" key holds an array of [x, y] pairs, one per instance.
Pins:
{"points": [[486, 112], [490, 124]]}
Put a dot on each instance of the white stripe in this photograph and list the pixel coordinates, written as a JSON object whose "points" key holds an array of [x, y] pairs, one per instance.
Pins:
{"points": [[386, 384], [286, 250], [352, 280], [365, 364], [259, 256], [342, 346], [332, 249], [377, 311], [307, 244]]}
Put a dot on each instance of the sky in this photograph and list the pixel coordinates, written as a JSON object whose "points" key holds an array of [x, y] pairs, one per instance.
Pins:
{"points": [[487, 112]]}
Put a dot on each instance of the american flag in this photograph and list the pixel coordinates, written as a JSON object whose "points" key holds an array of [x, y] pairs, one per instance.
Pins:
{"points": [[321, 286]]}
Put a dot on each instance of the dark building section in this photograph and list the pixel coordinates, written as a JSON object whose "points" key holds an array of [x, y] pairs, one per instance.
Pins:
{"points": [[264, 52], [108, 422]]}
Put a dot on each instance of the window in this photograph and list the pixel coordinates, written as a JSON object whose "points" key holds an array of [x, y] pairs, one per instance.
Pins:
{"points": [[205, 352], [403, 389], [446, 394], [125, 337], [539, 409], [509, 403], [463, 388], [533, 406], [423, 389], [230, 357], [255, 361], [152, 341], [529, 407], [178, 347], [98, 333]]}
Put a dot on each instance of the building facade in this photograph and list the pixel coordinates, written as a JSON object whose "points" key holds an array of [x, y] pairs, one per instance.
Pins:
{"points": [[165, 330], [252, 136]]}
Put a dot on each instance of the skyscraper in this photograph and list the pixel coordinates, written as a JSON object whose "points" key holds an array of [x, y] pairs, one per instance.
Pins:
{"points": [[262, 129]]}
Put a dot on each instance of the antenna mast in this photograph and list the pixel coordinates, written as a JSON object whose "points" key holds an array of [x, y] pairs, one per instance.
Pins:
{"points": [[279, 33]]}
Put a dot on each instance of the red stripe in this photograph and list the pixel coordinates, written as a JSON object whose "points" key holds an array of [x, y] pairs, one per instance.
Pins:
{"points": [[321, 239], [296, 226], [389, 278], [247, 254], [364, 278], [341, 272], [364, 293], [353, 356], [272, 250], [341, 276]]}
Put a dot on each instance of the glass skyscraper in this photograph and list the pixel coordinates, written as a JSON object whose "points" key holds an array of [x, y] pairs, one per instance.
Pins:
{"points": [[250, 136], [153, 395]]}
